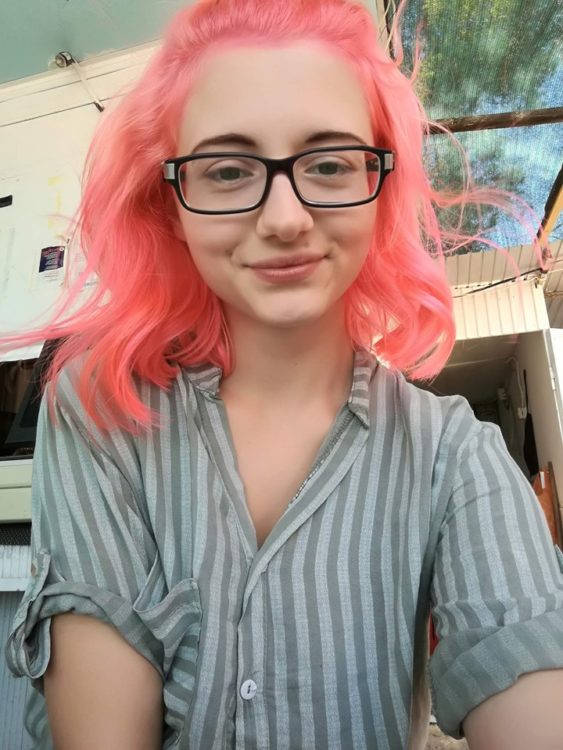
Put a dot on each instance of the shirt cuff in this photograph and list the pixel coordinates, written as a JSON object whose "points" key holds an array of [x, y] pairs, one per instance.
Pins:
{"points": [[162, 627], [472, 665]]}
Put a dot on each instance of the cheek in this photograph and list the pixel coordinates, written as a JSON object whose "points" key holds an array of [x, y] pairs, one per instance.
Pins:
{"points": [[209, 239], [355, 233], [212, 242], [365, 223]]}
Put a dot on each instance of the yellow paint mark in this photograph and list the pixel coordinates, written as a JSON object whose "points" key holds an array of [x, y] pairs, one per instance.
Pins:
{"points": [[53, 181]]}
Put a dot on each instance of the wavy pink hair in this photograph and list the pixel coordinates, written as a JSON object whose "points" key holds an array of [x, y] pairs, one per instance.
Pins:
{"points": [[151, 311]]}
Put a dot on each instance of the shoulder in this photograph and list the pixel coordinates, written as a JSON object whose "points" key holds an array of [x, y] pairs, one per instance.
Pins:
{"points": [[78, 393], [77, 398], [65, 386], [446, 422]]}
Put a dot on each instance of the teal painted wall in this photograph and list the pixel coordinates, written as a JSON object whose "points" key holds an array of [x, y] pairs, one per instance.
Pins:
{"points": [[32, 32]]}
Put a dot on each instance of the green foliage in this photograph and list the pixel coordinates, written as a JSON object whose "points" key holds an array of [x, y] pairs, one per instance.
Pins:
{"points": [[480, 58]]}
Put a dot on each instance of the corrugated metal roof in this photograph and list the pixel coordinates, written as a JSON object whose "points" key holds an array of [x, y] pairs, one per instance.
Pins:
{"points": [[473, 270], [15, 561], [500, 311], [495, 265]]}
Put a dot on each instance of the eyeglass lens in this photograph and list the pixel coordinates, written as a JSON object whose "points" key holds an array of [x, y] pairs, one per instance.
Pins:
{"points": [[219, 183]]}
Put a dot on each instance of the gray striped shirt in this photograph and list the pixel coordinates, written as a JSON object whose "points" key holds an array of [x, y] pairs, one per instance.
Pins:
{"points": [[319, 638]]}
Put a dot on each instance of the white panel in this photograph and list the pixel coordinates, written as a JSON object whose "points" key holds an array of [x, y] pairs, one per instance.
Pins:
{"points": [[24, 352], [47, 124], [533, 355], [15, 504], [502, 310], [555, 336], [42, 161], [15, 490]]}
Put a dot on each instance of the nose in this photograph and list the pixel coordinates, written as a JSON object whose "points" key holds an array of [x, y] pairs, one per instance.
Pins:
{"points": [[282, 214]]}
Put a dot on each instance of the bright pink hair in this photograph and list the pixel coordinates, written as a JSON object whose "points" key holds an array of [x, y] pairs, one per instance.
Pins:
{"points": [[151, 311]]}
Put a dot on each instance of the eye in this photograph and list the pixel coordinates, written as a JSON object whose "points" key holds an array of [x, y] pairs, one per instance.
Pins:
{"points": [[328, 168], [227, 174]]}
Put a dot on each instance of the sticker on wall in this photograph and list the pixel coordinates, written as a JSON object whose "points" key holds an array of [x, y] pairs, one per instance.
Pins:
{"points": [[51, 264]]}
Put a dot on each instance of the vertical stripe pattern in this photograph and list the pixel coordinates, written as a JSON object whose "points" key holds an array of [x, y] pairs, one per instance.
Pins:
{"points": [[412, 506]]}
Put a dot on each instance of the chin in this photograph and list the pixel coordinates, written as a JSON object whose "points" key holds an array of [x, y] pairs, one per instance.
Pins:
{"points": [[293, 318]]}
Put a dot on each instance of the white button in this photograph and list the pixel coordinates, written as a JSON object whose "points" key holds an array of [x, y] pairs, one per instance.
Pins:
{"points": [[248, 690]]}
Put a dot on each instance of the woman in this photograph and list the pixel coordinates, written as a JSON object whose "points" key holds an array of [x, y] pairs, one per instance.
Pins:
{"points": [[257, 570]]}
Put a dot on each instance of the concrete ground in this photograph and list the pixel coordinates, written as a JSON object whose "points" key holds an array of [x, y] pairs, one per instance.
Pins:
{"points": [[439, 741]]}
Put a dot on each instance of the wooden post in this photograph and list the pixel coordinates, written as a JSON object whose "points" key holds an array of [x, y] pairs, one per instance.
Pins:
{"points": [[500, 120]]}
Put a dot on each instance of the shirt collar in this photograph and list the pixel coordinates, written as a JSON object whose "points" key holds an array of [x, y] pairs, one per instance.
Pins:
{"points": [[365, 365], [207, 378]]}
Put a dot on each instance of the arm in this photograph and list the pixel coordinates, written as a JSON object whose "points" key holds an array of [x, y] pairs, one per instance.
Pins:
{"points": [[100, 693], [497, 590], [95, 558], [527, 715]]}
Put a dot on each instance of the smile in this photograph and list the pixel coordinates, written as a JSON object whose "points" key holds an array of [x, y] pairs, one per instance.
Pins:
{"points": [[296, 271]]}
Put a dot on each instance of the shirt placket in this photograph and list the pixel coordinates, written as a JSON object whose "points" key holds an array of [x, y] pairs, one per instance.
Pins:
{"points": [[251, 721]]}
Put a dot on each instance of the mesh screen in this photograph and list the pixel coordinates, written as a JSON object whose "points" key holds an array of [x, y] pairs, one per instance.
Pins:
{"points": [[487, 58], [14, 534]]}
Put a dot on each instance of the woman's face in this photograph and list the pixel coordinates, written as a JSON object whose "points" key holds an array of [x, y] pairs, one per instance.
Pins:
{"points": [[274, 103]]}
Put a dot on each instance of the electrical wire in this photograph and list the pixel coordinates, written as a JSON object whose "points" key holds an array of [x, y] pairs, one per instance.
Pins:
{"points": [[95, 101], [507, 281]]}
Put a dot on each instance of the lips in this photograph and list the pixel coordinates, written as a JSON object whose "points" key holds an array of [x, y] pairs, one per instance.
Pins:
{"points": [[287, 262], [287, 271]]}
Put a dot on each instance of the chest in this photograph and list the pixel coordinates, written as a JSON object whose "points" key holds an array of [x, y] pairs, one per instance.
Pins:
{"points": [[274, 457], [286, 621]]}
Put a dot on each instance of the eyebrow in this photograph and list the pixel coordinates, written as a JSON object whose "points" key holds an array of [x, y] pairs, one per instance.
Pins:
{"points": [[237, 139]]}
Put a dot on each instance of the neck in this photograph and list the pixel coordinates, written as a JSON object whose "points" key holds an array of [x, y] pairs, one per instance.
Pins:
{"points": [[292, 366]]}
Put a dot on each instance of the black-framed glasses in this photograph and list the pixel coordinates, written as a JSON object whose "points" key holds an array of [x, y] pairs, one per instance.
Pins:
{"points": [[232, 182]]}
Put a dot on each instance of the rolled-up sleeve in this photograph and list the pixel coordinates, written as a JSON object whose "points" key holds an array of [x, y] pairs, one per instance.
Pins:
{"points": [[497, 587], [93, 551]]}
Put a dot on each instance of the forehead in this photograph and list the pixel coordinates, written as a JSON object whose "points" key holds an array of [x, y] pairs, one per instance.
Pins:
{"points": [[276, 96]]}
